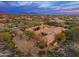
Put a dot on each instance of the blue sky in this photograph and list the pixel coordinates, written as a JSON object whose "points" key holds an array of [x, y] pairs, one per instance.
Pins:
{"points": [[40, 7]]}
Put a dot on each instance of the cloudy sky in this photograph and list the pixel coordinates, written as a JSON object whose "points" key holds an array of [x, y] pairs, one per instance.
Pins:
{"points": [[40, 7]]}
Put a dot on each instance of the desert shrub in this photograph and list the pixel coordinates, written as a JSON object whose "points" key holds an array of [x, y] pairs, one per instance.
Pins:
{"points": [[19, 53], [72, 23], [61, 37], [54, 53], [10, 45], [35, 22], [72, 33], [29, 34], [53, 24], [3, 29], [41, 45], [42, 53], [7, 37]]}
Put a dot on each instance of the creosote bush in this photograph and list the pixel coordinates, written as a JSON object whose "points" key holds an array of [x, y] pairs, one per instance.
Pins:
{"points": [[7, 37]]}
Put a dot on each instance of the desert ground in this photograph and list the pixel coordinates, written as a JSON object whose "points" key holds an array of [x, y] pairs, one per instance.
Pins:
{"points": [[39, 36]]}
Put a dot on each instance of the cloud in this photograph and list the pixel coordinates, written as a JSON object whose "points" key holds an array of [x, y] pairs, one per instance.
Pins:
{"points": [[64, 7], [72, 3], [44, 4], [71, 7], [24, 3], [67, 6], [71, 11], [20, 3], [2, 4]]}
